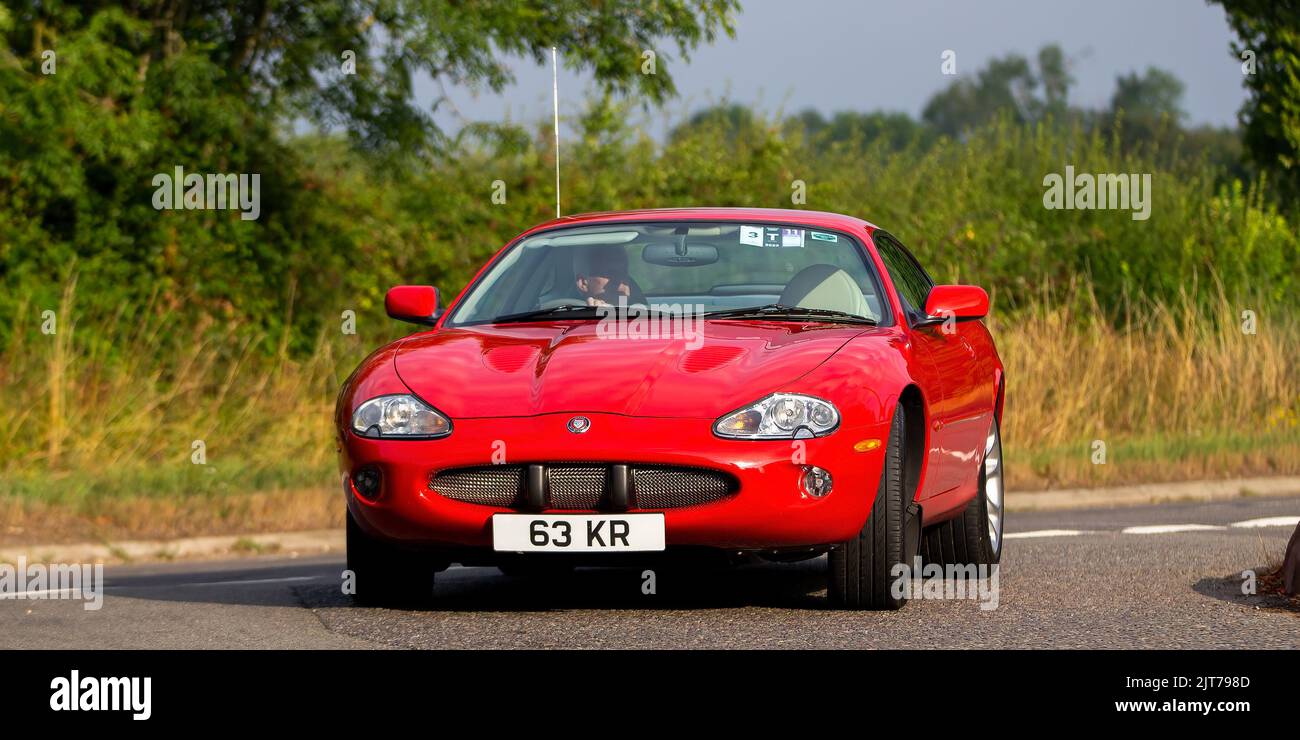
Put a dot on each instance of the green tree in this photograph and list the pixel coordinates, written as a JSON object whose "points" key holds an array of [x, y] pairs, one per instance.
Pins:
{"points": [[1054, 73], [730, 120], [1268, 33], [218, 86], [897, 130], [1152, 95], [1006, 86], [287, 58], [1145, 111]]}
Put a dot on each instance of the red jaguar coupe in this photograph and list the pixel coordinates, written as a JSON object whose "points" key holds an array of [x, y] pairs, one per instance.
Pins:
{"points": [[733, 382]]}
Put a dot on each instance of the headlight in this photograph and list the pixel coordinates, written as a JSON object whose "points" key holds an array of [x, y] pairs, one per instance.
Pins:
{"points": [[399, 416], [780, 416]]}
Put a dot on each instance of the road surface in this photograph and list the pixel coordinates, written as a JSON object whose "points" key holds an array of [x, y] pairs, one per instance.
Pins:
{"points": [[1164, 576]]}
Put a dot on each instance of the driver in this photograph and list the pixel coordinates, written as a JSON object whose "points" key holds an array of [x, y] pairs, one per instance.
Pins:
{"points": [[604, 277]]}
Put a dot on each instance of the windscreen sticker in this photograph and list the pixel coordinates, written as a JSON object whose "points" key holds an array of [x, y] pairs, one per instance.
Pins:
{"points": [[771, 236], [819, 236]]}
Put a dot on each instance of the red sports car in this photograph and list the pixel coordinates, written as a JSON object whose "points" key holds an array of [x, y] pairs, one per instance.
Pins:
{"points": [[726, 382]]}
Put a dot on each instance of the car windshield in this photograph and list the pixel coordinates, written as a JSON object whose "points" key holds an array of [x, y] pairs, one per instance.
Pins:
{"points": [[775, 271]]}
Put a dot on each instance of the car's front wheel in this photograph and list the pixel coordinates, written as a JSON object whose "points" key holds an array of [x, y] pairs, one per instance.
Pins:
{"points": [[863, 570], [383, 575]]}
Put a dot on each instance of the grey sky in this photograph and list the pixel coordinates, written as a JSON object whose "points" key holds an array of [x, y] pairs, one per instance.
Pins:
{"points": [[886, 55]]}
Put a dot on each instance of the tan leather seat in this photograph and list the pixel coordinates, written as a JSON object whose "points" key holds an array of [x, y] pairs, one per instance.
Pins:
{"points": [[826, 287]]}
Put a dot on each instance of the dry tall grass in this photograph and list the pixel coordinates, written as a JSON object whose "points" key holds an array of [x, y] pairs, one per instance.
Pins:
{"points": [[71, 408], [97, 427], [1180, 392], [101, 428]]}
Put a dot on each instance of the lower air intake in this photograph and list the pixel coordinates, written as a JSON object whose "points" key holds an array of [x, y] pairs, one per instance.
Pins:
{"points": [[586, 486]]}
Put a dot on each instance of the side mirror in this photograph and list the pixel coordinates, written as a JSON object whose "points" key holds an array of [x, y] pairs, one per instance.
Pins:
{"points": [[959, 301], [417, 304]]}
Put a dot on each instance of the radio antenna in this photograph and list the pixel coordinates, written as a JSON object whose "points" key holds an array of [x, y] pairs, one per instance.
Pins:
{"points": [[555, 100]]}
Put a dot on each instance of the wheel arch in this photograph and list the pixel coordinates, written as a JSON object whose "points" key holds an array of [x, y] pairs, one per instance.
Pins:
{"points": [[999, 400], [914, 451]]}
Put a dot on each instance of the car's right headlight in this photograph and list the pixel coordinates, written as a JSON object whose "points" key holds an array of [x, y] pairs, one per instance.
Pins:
{"points": [[780, 416], [399, 417]]}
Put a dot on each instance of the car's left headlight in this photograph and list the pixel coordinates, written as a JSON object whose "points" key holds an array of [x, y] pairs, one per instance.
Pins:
{"points": [[780, 416], [401, 416]]}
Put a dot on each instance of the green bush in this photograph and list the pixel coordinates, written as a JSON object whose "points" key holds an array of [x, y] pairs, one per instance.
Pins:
{"points": [[335, 230]]}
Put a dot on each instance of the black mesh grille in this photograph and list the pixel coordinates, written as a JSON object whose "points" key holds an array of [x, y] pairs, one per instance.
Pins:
{"points": [[673, 488], [586, 487], [494, 485], [577, 486]]}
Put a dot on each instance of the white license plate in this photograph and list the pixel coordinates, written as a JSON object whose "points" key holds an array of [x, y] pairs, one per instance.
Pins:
{"points": [[577, 532]]}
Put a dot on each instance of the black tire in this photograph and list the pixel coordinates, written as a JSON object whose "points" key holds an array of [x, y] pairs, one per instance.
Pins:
{"points": [[860, 570], [966, 539], [385, 575]]}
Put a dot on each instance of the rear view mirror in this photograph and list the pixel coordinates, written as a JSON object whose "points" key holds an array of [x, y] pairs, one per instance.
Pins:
{"points": [[689, 255], [417, 304], [959, 301]]}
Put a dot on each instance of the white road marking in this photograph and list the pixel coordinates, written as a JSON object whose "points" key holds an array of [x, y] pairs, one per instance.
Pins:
{"points": [[1046, 533], [1272, 521], [52, 591], [1168, 528], [251, 581], [36, 593]]}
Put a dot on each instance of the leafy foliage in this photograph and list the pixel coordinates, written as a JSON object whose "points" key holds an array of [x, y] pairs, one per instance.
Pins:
{"points": [[140, 88], [1270, 31]]}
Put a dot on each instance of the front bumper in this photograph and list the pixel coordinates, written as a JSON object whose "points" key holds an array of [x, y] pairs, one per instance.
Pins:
{"points": [[770, 509]]}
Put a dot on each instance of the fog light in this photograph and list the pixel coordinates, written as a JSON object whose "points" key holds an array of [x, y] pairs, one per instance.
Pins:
{"points": [[366, 481], [816, 481]]}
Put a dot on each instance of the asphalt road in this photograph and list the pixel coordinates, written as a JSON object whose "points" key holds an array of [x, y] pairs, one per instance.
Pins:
{"points": [[1105, 578]]}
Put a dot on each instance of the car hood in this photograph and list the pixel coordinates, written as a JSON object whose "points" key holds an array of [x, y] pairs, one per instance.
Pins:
{"points": [[541, 368]]}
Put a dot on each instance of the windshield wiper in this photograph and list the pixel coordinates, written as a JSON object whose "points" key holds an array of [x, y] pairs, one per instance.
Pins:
{"points": [[602, 311], [776, 310], [540, 314]]}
